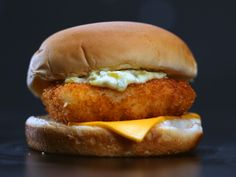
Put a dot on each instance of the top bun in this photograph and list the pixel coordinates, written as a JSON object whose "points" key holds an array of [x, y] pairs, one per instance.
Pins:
{"points": [[112, 46]]}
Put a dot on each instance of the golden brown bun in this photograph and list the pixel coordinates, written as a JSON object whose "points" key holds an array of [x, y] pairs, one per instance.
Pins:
{"points": [[169, 137], [110, 45]]}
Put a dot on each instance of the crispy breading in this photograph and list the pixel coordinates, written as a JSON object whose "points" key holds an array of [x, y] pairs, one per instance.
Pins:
{"points": [[83, 102]]}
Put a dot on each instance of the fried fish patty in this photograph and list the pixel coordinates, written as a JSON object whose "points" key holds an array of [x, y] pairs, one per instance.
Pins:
{"points": [[73, 102]]}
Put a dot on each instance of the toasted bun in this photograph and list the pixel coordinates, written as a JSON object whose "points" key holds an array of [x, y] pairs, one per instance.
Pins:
{"points": [[109, 45], [169, 137]]}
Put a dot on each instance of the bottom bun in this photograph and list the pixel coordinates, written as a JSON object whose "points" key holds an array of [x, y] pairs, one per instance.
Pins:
{"points": [[168, 137]]}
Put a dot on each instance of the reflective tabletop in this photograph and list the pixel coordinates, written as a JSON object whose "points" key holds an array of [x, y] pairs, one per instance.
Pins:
{"points": [[16, 159]]}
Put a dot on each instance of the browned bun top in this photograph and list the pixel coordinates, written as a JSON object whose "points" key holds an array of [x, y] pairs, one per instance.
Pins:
{"points": [[109, 45]]}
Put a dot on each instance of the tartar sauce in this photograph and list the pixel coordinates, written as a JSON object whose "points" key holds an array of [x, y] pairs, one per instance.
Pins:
{"points": [[118, 80]]}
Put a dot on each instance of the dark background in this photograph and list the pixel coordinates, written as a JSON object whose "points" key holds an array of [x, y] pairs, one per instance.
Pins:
{"points": [[208, 27]]}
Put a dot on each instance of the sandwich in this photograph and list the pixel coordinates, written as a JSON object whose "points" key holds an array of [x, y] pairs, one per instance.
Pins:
{"points": [[113, 89]]}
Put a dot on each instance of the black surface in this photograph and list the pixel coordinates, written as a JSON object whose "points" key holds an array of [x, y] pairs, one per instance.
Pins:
{"points": [[207, 26], [17, 160]]}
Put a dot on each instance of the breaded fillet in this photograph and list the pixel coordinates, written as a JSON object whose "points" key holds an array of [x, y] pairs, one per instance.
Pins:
{"points": [[83, 102]]}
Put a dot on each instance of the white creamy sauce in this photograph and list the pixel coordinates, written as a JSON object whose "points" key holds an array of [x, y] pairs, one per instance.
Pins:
{"points": [[118, 80]]}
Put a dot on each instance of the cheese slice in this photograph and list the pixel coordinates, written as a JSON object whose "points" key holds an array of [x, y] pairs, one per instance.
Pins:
{"points": [[134, 129]]}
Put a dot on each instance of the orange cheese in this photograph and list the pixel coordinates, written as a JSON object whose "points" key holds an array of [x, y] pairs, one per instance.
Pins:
{"points": [[134, 129]]}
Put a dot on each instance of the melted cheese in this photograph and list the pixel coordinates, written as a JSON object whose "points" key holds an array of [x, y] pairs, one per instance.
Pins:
{"points": [[118, 80], [134, 130]]}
